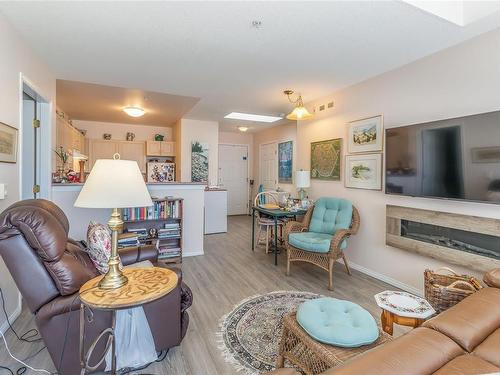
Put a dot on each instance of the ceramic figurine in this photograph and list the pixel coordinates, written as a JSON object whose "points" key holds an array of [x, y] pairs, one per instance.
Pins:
{"points": [[106, 136], [159, 137], [130, 136]]}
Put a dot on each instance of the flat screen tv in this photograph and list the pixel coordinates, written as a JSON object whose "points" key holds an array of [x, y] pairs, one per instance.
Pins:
{"points": [[457, 158]]}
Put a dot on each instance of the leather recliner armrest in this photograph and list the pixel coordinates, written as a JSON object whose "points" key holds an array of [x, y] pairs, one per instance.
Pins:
{"points": [[59, 306], [492, 278], [130, 255]]}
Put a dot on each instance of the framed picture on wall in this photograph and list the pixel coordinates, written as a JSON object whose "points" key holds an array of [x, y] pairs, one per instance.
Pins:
{"points": [[365, 135], [325, 159], [363, 171], [285, 162], [8, 143], [199, 162]]}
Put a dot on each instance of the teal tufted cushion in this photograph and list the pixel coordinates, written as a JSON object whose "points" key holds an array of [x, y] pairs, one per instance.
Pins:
{"points": [[312, 241], [337, 322], [330, 215]]}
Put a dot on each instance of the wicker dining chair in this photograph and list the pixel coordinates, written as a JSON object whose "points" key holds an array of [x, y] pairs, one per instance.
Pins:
{"points": [[262, 198], [321, 237]]}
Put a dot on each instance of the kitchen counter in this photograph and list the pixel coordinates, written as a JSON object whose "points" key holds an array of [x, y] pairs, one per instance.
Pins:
{"points": [[64, 195]]}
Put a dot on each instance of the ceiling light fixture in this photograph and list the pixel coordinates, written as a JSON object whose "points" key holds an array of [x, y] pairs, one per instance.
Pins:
{"points": [[242, 128], [299, 112], [134, 111], [252, 117]]}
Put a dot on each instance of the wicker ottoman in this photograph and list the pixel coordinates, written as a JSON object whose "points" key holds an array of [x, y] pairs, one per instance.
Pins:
{"points": [[313, 357]]}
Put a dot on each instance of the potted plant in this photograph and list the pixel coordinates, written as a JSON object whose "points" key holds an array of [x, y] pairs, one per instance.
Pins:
{"points": [[63, 158]]}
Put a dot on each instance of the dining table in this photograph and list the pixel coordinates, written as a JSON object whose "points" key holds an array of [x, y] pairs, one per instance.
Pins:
{"points": [[275, 214]]}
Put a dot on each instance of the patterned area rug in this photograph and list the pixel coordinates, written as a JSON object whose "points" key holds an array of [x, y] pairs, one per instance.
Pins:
{"points": [[250, 334]]}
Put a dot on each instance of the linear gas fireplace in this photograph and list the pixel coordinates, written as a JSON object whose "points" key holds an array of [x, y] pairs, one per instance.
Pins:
{"points": [[469, 241]]}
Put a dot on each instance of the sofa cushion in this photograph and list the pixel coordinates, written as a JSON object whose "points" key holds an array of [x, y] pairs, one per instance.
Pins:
{"points": [[420, 351], [472, 320], [330, 215], [489, 349], [467, 365], [337, 322]]}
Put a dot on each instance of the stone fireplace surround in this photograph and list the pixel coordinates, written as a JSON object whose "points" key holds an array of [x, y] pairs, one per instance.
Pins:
{"points": [[469, 241]]}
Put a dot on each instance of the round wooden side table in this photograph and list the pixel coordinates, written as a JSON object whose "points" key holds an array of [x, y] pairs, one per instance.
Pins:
{"points": [[402, 308], [144, 285]]}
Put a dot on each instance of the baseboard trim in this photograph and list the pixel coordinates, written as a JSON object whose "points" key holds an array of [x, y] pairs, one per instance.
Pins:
{"points": [[386, 279], [194, 254], [12, 317]]}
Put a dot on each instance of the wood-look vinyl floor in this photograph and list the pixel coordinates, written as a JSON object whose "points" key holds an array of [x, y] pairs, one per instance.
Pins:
{"points": [[228, 273]]}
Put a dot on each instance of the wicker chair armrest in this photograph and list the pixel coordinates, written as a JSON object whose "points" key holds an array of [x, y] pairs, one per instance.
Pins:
{"points": [[338, 238], [293, 226]]}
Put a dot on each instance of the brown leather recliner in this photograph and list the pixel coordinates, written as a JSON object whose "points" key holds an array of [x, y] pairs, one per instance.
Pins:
{"points": [[463, 340], [49, 268]]}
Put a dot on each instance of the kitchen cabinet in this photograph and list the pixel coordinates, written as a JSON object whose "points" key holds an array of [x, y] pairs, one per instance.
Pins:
{"points": [[70, 139], [128, 150], [160, 148]]}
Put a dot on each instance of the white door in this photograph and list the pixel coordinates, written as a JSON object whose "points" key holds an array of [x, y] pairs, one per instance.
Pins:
{"points": [[268, 165], [233, 176]]}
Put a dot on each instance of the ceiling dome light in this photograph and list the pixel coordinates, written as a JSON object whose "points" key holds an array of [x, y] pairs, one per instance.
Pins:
{"points": [[242, 128], [299, 112], [134, 111]]}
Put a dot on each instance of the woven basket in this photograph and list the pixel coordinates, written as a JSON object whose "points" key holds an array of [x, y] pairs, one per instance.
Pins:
{"points": [[445, 288]]}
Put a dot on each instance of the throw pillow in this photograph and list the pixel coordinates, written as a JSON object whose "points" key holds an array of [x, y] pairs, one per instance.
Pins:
{"points": [[99, 245]]}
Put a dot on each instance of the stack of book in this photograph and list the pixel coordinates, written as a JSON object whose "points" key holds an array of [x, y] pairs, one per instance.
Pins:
{"points": [[127, 240], [165, 252], [162, 209], [141, 233], [171, 230]]}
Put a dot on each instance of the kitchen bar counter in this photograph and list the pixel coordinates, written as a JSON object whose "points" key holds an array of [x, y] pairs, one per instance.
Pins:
{"points": [[64, 195]]}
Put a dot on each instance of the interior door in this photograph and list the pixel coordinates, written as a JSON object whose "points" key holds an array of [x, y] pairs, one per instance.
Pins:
{"points": [[30, 148], [268, 165], [233, 176]]}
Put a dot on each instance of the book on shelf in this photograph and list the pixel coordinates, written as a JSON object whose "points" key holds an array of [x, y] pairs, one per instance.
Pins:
{"points": [[161, 209]]}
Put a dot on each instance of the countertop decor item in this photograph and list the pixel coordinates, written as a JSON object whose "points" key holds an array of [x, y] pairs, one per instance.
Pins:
{"points": [[8, 143], [299, 112], [115, 184], [249, 335], [130, 136], [159, 137], [106, 136], [402, 308], [77, 155]]}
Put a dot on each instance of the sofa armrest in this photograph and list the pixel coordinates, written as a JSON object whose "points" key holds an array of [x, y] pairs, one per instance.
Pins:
{"points": [[59, 306], [492, 278], [130, 255]]}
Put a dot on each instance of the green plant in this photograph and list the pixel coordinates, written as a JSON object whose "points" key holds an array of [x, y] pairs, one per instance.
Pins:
{"points": [[62, 155]]}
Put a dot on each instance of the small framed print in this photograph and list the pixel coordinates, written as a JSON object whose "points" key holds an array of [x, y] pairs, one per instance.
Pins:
{"points": [[486, 154], [8, 143], [363, 171], [366, 135]]}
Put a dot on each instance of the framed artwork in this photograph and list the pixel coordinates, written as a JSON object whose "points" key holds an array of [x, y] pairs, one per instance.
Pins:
{"points": [[199, 162], [363, 171], [485, 154], [8, 143], [325, 159], [285, 162], [161, 172], [365, 135]]}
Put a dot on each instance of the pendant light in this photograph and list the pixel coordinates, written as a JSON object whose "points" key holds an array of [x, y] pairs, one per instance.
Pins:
{"points": [[299, 112]]}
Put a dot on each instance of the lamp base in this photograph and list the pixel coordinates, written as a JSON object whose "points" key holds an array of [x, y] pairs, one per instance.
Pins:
{"points": [[302, 194], [113, 281]]}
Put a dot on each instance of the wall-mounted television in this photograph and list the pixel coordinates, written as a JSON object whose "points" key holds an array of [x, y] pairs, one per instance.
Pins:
{"points": [[456, 158]]}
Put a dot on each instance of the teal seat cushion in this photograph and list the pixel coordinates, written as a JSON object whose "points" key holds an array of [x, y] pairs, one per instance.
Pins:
{"points": [[312, 241], [337, 322], [330, 215]]}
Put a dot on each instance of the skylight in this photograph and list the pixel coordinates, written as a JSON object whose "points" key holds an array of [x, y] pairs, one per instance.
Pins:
{"points": [[251, 117]]}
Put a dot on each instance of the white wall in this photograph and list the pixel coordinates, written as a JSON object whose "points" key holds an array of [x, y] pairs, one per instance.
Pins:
{"points": [[203, 132], [96, 129], [459, 81], [17, 58]]}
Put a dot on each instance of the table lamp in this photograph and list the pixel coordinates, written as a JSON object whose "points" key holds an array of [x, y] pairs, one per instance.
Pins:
{"points": [[302, 180], [115, 184]]}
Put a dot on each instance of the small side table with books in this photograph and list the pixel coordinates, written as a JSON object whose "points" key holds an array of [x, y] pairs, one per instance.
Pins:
{"points": [[159, 225]]}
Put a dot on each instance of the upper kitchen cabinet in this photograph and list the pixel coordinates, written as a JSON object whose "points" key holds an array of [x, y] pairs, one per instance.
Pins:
{"points": [[68, 137], [128, 150], [160, 148]]}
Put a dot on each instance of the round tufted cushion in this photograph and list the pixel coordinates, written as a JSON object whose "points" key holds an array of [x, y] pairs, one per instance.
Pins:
{"points": [[337, 322]]}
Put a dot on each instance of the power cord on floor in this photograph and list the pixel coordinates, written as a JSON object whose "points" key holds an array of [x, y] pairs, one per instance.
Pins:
{"points": [[30, 336]]}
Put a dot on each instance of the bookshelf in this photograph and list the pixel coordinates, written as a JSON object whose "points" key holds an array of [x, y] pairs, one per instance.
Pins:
{"points": [[159, 225]]}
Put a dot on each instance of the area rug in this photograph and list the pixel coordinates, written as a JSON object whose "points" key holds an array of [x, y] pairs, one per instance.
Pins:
{"points": [[249, 335]]}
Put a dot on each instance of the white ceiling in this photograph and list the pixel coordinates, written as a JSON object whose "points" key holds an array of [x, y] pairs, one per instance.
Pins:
{"points": [[210, 49]]}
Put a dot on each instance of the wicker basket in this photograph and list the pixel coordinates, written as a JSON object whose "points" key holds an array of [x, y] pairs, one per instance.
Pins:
{"points": [[445, 288]]}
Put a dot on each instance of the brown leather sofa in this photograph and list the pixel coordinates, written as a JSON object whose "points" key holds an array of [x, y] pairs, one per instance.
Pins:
{"points": [[49, 268], [463, 340]]}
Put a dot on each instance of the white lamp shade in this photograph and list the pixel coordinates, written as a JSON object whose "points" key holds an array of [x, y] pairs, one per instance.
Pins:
{"points": [[114, 184], [302, 179]]}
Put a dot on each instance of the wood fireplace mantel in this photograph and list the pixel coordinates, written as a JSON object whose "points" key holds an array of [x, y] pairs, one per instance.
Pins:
{"points": [[487, 226]]}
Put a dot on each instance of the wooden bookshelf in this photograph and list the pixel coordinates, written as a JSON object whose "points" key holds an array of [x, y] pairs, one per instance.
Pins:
{"points": [[159, 225]]}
